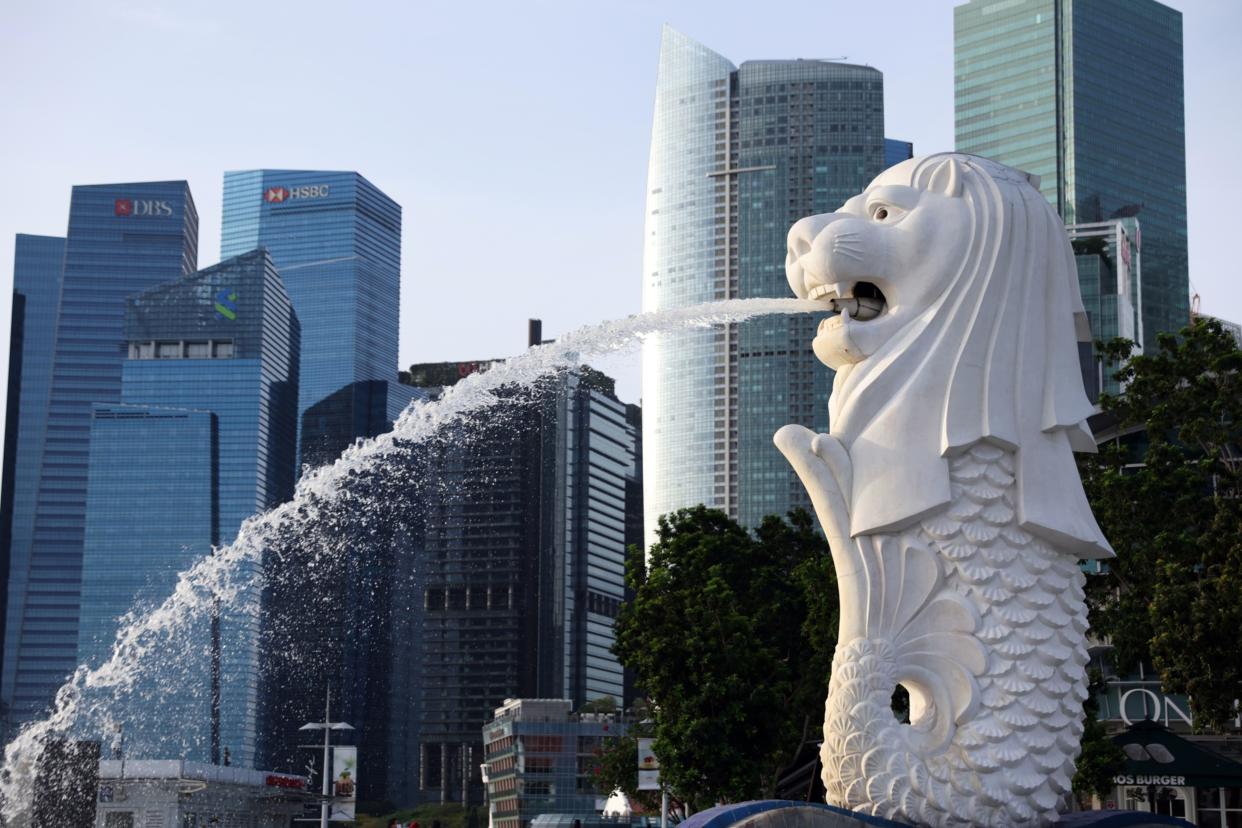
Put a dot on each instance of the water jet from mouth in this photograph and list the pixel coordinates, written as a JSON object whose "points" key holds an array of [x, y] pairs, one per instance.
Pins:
{"points": [[148, 641]]}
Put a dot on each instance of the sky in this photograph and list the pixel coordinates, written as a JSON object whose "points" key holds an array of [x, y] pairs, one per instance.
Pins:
{"points": [[514, 134]]}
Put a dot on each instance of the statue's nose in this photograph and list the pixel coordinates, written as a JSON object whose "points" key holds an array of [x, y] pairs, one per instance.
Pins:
{"points": [[801, 268]]}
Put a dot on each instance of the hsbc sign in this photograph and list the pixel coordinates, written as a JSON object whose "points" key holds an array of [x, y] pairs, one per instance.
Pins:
{"points": [[279, 195], [141, 207]]}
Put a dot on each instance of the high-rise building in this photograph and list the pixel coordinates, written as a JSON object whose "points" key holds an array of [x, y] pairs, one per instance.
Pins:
{"points": [[517, 573], [738, 154], [201, 439], [1088, 95], [1109, 262], [540, 756], [122, 239], [362, 409], [896, 151], [37, 267], [484, 563], [336, 240]]}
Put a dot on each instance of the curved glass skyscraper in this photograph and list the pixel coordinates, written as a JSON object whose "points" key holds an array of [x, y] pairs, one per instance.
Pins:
{"points": [[738, 154]]}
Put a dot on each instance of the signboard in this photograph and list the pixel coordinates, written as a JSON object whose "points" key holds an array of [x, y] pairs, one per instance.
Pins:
{"points": [[648, 766], [1129, 779], [279, 195], [141, 207], [344, 782]]}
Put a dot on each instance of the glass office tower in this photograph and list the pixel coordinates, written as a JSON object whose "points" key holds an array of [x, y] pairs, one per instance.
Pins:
{"points": [[202, 439], [37, 267], [738, 154], [1089, 96], [336, 240], [896, 151], [122, 239]]}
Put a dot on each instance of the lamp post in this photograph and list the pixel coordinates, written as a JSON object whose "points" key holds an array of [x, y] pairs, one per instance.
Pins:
{"points": [[327, 726]]}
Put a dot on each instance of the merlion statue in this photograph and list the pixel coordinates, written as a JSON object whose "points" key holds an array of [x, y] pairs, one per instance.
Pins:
{"points": [[948, 492]]}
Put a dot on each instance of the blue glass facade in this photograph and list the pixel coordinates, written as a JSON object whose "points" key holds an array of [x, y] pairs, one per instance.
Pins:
{"points": [[896, 151], [1089, 96], [208, 417], [360, 410], [336, 240], [37, 267], [737, 156], [122, 239]]}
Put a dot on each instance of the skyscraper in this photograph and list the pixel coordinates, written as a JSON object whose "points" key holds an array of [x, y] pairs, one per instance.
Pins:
{"points": [[1109, 263], [37, 268], [738, 154], [516, 576], [336, 241], [1088, 96], [122, 239], [201, 439], [484, 563]]}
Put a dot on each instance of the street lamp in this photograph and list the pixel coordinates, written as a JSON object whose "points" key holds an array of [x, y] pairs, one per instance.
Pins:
{"points": [[327, 726]]}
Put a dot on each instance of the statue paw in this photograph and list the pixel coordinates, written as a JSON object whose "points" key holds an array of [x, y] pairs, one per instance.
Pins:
{"points": [[823, 465]]}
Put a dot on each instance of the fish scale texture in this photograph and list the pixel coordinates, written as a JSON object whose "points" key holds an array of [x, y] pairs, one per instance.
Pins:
{"points": [[994, 620]]}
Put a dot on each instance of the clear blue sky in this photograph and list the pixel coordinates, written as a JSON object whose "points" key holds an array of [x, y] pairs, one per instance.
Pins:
{"points": [[513, 133]]}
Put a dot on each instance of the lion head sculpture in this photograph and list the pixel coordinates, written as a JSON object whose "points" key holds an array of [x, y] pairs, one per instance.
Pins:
{"points": [[960, 321]]}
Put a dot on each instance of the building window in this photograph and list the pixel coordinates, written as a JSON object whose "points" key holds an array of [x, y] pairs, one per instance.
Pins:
{"points": [[1217, 807], [197, 350], [223, 350], [435, 599], [168, 350]]}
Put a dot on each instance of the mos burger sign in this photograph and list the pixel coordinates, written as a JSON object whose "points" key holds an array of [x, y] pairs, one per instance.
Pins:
{"points": [[280, 195]]}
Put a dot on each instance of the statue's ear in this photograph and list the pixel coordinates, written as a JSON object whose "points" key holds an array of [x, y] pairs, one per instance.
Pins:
{"points": [[946, 178]]}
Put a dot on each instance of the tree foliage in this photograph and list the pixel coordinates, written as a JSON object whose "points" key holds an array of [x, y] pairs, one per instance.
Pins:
{"points": [[1168, 496], [616, 767], [731, 637], [1101, 759]]}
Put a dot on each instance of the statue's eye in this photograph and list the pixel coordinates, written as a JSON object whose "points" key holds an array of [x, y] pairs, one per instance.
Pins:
{"points": [[885, 212]]}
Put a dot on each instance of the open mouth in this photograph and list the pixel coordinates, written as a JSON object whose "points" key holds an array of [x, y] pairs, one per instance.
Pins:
{"points": [[861, 301]]}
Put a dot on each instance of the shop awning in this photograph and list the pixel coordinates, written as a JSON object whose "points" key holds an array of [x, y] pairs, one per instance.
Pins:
{"points": [[1155, 756]]}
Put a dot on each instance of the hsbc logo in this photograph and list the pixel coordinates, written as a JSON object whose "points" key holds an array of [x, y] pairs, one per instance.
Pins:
{"points": [[141, 207], [279, 195]]}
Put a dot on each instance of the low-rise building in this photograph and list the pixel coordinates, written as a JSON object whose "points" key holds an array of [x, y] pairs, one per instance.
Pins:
{"points": [[174, 793], [540, 758]]}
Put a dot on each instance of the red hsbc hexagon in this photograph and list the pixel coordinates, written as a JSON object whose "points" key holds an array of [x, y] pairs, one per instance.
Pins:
{"points": [[275, 195]]}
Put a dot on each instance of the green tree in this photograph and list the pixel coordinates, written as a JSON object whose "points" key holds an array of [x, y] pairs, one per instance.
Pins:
{"points": [[1167, 495], [731, 638], [1100, 759], [616, 766]]}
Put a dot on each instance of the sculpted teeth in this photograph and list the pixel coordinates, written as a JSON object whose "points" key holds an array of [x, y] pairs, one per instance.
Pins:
{"points": [[821, 292]]}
